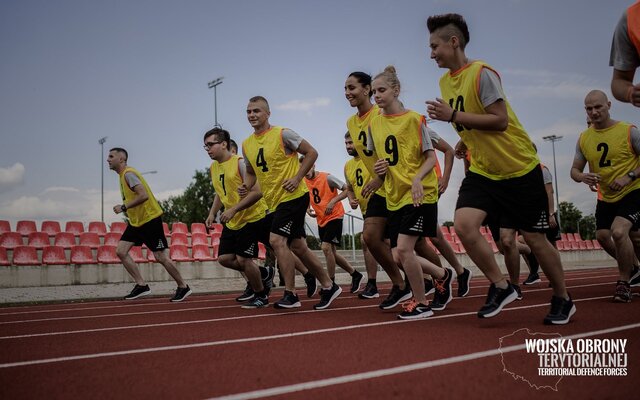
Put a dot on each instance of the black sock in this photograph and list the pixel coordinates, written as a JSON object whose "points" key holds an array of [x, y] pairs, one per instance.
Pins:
{"points": [[533, 263], [309, 275], [372, 281]]}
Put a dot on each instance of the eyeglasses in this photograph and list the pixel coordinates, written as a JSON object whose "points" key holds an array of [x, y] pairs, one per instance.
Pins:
{"points": [[208, 145]]}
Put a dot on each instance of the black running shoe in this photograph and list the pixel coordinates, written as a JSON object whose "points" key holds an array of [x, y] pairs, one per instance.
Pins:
{"points": [[257, 302], [496, 299], [267, 274], [443, 295], [635, 277], [623, 292], [532, 279], [138, 291], [396, 296], [289, 300], [181, 294], [327, 296], [356, 281], [428, 287], [518, 291], [413, 310], [312, 284], [247, 295], [464, 282], [370, 291], [561, 311]]}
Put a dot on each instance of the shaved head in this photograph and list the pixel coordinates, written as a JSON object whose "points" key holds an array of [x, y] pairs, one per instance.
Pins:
{"points": [[596, 95], [597, 106]]}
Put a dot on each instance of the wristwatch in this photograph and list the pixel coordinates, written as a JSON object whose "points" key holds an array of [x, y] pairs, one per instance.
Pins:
{"points": [[632, 175], [123, 207]]}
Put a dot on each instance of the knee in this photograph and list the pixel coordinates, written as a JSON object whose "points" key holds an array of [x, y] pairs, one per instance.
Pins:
{"points": [[619, 234], [464, 229], [121, 253], [226, 260], [326, 248], [278, 242], [508, 243], [603, 236]]}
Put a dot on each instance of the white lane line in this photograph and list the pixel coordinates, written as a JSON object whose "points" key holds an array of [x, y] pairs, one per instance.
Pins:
{"points": [[223, 319], [256, 338], [287, 389]]}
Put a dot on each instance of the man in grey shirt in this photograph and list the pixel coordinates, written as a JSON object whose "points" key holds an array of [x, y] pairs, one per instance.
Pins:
{"points": [[625, 57]]}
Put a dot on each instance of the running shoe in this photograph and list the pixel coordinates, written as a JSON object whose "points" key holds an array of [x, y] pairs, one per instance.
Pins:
{"points": [[635, 277], [356, 281], [257, 302], [370, 291], [414, 310], [138, 291], [327, 296], [428, 287], [464, 282], [496, 299], [396, 296], [181, 294], [247, 295], [623, 292], [532, 279], [312, 284], [518, 291], [561, 311], [289, 300], [443, 295]]}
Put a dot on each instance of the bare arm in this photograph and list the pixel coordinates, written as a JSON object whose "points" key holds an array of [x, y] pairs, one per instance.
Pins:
{"points": [[310, 156], [416, 186], [141, 197], [495, 119], [216, 205], [250, 199], [446, 148], [623, 88]]}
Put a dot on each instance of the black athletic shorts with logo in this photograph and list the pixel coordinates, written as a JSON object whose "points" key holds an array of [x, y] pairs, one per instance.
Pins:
{"points": [[413, 221], [628, 207], [331, 232], [151, 234], [518, 203], [288, 218], [244, 241]]}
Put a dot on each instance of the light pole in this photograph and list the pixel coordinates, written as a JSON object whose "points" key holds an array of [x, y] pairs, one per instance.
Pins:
{"points": [[101, 142], [149, 172], [553, 139], [214, 84]]}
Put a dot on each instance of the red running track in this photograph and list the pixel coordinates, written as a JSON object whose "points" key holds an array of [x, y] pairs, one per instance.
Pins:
{"points": [[207, 347]]}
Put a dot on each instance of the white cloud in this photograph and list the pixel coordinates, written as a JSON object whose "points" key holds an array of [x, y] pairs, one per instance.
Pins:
{"points": [[549, 84], [304, 105], [11, 177]]}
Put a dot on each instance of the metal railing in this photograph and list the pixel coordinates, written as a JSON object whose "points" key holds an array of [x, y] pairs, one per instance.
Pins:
{"points": [[351, 230]]}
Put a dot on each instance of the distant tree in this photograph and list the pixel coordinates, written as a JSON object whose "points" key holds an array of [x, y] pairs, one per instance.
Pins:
{"points": [[588, 227], [193, 205], [569, 217], [313, 243], [346, 241]]}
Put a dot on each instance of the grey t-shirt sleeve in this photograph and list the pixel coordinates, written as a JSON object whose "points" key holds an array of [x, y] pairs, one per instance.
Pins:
{"points": [[546, 175], [435, 138], [490, 87], [370, 145], [635, 139], [291, 141], [242, 168], [579, 154], [334, 182], [426, 138], [624, 56], [132, 179]]}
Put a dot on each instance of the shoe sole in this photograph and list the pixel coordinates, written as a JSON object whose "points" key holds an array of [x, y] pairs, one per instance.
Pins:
{"points": [[563, 321], [432, 291], [419, 316], [314, 292], [148, 292], [511, 298], [532, 282], [333, 297], [358, 288], [468, 285], [621, 300], [286, 307], [368, 296], [183, 297], [403, 298], [252, 307], [242, 299]]}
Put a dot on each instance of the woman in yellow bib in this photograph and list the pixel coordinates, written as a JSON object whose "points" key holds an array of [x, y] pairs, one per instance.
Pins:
{"points": [[504, 180], [411, 189]]}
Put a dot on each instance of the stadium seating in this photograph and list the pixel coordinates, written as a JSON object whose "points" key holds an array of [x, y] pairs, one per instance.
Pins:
{"points": [[202, 252], [10, 240], [65, 239], [26, 227], [82, 255], [38, 240], [589, 244], [112, 238], [179, 252], [136, 254], [561, 245], [5, 226], [75, 227], [577, 237], [165, 228], [179, 238], [50, 227], [596, 244], [216, 227], [4, 258], [54, 255], [215, 237], [262, 251], [118, 227], [199, 238], [107, 255], [90, 239], [98, 227], [150, 255], [179, 227], [198, 227], [215, 251], [25, 255]]}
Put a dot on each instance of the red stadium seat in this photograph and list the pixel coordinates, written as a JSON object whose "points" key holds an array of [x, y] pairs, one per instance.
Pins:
{"points": [[202, 252], [596, 244], [215, 251], [215, 237], [582, 245], [65, 239], [216, 227], [75, 227], [563, 237], [82, 255], [198, 227], [26, 227], [262, 251], [98, 227], [199, 238], [589, 244], [444, 230], [50, 227], [11, 240], [38, 240], [179, 227], [4, 258], [54, 255], [107, 255], [150, 255], [179, 238], [577, 237], [25, 255], [462, 249], [112, 238], [90, 239], [165, 228], [118, 227], [574, 245], [5, 226], [179, 252], [136, 254], [483, 230]]}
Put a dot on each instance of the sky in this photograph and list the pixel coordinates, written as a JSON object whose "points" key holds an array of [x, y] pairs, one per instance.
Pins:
{"points": [[136, 72]]}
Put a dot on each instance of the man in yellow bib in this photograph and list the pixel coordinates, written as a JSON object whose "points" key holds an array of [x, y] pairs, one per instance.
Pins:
{"points": [[270, 155], [505, 179], [144, 226], [612, 149]]}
